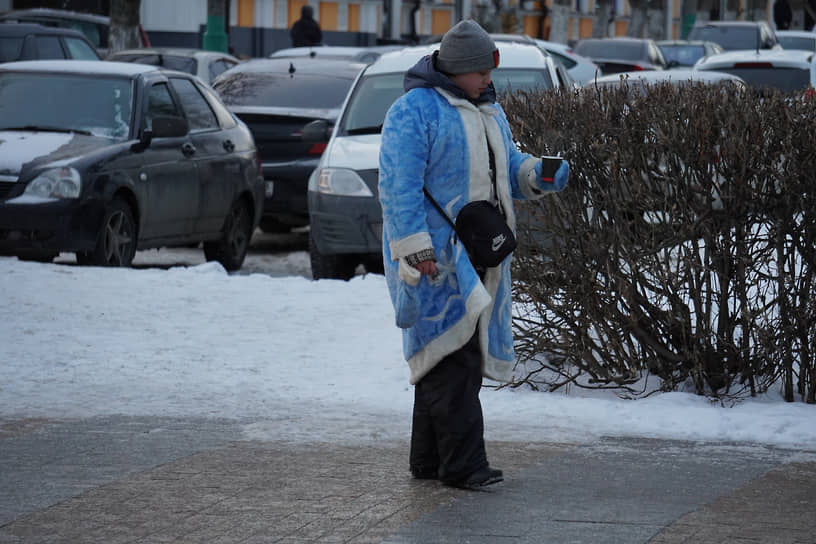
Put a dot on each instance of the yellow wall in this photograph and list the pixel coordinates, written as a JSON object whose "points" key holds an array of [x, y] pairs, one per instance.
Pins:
{"points": [[294, 10], [354, 17], [440, 21], [328, 16], [585, 27], [246, 13], [620, 28]]}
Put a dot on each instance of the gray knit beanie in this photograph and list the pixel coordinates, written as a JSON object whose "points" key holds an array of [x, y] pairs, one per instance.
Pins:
{"points": [[467, 48]]}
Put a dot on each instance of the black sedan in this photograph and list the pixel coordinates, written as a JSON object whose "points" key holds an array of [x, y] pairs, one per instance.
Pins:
{"points": [[277, 98], [104, 158], [621, 54]]}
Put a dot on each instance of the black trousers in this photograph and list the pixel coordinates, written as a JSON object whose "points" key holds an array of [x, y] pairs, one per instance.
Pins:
{"points": [[447, 435]]}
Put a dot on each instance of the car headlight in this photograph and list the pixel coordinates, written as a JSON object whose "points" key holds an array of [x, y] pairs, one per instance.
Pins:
{"points": [[63, 182], [339, 181]]}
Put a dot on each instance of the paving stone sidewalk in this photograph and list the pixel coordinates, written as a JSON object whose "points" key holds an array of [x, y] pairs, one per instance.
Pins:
{"points": [[159, 480]]}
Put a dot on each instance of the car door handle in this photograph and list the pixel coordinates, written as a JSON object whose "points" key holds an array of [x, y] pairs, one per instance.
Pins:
{"points": [[188, 149], [229, 146]]}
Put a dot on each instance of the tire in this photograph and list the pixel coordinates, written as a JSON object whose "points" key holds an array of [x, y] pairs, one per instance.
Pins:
{"points": [[116, 239], [331, 267], [232, 248]]}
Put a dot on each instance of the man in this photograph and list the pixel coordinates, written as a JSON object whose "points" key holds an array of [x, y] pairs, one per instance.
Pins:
{"points": [[455, 316], [782, 14], [305, 31]]}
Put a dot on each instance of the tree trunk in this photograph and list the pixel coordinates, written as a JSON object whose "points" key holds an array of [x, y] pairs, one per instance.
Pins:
{"points": [[124, 25], [559, 21], [603, 17], [639, 18]]}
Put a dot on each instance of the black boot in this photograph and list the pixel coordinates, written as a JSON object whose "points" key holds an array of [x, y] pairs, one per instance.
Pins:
{"points": [[481, 478]]}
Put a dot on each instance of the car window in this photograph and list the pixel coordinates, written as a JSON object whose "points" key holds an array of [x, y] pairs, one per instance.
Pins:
{"points": [[219, 66], [10, 49], [784, 79], [565, 60], [730, 38], [610, 49], [159, 103], [48, 47], [798, 42], [225, 118], [80, 50], [182, 64], [282, 90], [100, 106], [199, 114], [685, 55]]}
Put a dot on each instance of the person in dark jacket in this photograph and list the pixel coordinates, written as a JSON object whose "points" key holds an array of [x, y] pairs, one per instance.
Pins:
{"points": [[782, 14], [456, 318], [306, 31]]}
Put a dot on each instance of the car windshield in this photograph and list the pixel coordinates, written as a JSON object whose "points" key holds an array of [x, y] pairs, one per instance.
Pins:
{"points": [[375, 94], [283, 90], [610, 49], [684, 55], [10, 49], [171, 62], [784, 79], [730, 38], [97, 105], [798, 42]]}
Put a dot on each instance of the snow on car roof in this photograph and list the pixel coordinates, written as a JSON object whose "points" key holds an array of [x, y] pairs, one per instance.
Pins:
{"points": [[781, 58], [511, 55], [78, 66]]}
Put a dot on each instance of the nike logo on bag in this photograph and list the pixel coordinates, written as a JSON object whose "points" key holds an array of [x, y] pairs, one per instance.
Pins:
{"points": [[498, 241]]}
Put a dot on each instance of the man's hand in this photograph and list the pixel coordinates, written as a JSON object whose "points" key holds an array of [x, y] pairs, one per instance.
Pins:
{"points": [[427, 267]]}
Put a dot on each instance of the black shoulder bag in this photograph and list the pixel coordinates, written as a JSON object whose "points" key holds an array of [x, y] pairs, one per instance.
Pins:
{"points": [[482, 227]]}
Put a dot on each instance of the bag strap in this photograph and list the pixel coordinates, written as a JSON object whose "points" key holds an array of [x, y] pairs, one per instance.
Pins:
{"points": [[492, 181], [439, 208]]}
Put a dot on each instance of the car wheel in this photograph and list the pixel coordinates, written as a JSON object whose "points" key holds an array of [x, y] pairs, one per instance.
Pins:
{"points": [[231, 249], [116, 240], [331, 267]]}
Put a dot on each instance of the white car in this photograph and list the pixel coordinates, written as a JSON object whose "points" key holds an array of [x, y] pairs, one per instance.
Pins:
{"points": [[678, 76], [797, 39], [786, 70], [365, 54], [344, 211], [204, 64], [580, 68]]}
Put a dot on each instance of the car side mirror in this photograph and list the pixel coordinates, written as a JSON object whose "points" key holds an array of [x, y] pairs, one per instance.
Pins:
{"points": [[316, 131], [163, 127]]}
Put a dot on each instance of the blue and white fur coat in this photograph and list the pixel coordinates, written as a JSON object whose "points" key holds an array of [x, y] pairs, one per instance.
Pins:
{"points": [[433, 135]]}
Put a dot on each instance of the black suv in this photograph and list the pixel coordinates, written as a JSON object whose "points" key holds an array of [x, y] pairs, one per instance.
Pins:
{"points": [[736, 35], [24, 41]]}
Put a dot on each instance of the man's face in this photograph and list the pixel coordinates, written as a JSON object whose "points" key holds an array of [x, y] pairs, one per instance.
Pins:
{"points": [[473, 83]]}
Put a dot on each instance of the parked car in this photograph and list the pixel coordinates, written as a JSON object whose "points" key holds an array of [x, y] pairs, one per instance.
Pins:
{"points": [[736, 35], [365, 54], [276, 98], [345, 214], [615, 55], [786, 70], [94, 27], [797, 39], [104, 158], [205, 64], [561, 73], [641, 81], [31, 42], [685, 53], [580, 68]]}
